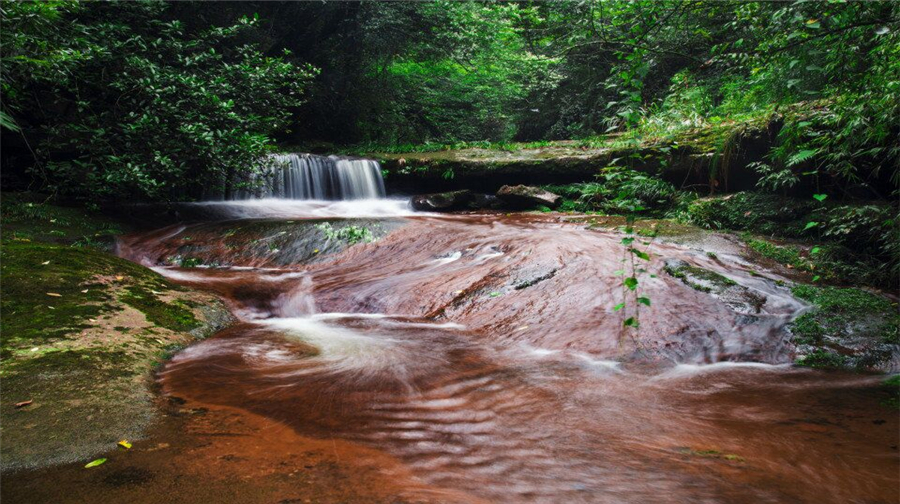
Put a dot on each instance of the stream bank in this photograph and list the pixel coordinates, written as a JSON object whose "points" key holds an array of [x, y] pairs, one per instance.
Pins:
{"points": [[82, 331]]}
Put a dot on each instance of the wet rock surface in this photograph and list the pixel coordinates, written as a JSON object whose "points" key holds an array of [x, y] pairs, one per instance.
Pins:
{"points": [[455, 201], [738, 297], [524, 197], [478, 358], [443, 202]]}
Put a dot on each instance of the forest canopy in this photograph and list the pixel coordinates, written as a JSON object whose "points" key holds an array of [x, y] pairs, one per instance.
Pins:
{"points": [[158, 101]]}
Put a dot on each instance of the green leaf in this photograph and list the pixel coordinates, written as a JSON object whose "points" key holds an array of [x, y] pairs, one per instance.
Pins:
{"points": [[820, 197], [801, 156], [95, 463], [643, 255], [631, 283], [6, 121], [618, 306], [644, 300], [816, 278], [627, 241], [815, 250], [630, 322], [495, 294], [810, 225], [619, 272]]}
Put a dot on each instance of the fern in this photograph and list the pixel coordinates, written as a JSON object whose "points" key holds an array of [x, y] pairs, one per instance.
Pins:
{"points": [[801, 157]]}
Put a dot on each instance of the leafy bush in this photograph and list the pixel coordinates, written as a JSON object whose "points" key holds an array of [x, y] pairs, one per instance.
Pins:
{"points": [[128, 105], [619, 190]]}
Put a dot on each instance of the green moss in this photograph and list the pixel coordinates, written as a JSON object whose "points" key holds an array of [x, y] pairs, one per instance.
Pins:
{"points": [[823, 359], [51, 291], [892, 387], [172, 316], [47, 301], [781, 254], [807, 330], [840, 312], [698, 278], [99, 364]]}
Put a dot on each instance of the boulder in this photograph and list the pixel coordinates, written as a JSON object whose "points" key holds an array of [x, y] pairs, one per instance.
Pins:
{"points": [[523, 196], [443, 202]]}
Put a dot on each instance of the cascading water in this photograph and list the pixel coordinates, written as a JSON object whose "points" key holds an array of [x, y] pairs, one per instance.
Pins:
{"points": [[312, 177]]}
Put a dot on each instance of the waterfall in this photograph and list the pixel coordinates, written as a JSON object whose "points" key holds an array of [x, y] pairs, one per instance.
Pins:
{"points": [[307, 176]]}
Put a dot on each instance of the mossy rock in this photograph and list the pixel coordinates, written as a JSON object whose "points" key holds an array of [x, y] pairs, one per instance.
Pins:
{"points": [[847, 327], [81, 331], [739, 298]]}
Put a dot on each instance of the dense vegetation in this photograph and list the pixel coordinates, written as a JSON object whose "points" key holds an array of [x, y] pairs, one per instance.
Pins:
{"points": [[164, 101]]}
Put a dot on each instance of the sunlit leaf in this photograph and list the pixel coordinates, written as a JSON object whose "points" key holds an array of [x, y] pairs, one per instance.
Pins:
{"points": [[95, 463], [631, 283], [618, 306]]}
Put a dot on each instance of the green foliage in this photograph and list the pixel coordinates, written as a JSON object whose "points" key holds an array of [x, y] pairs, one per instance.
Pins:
{"points": [[841, 313], [857, 242], [349, 233], [127, 104], [823, 359], [620, 191]]}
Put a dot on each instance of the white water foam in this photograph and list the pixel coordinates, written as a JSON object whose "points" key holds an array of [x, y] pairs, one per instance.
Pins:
{"points": [[308, 209]]}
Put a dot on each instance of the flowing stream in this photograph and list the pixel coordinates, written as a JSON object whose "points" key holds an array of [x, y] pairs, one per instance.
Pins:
{"points": [[483, 353]]}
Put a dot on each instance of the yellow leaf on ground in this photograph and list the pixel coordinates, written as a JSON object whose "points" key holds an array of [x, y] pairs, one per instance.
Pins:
{"points": [[120, 278], [124, 444], [54, 294], [94, 463]]}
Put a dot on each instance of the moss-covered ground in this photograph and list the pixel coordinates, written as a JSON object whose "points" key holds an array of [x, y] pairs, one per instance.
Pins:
{"points": [[81, 330], [846, 327]]}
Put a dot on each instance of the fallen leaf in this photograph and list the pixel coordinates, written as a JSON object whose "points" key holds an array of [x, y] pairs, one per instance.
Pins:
{"points": [[54, 294], [120, 278], [94, 463], [24, 403], [45, 263], [522, 328], [35, 349], [124, 444], [85, 291], [92, 320]]}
